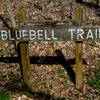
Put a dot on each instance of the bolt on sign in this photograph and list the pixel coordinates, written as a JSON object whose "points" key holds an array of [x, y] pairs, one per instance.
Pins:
{"points": [[50, 31]]}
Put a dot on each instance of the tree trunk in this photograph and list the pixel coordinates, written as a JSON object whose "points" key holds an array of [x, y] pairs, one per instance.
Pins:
{"points": [[11, 15]]}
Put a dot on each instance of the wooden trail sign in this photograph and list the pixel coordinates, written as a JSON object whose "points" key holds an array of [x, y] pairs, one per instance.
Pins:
{"points": [[51, 31]]}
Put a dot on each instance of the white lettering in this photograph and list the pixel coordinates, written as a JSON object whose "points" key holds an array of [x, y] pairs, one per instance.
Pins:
{"points": [[46, 37], [80, 33], [40, 36], [32, 35], [89, 34], [24, 34], [72, 33], [4, 35], [96, 35], [10, 38], [99, 33], [18, 33], [53, 36]]}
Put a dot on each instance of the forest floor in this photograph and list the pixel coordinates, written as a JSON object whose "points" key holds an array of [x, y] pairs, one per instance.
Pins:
{"points": [[50, 79]]}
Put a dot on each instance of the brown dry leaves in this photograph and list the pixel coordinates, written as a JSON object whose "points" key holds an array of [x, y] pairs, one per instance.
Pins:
{"points": [[50, 79]]}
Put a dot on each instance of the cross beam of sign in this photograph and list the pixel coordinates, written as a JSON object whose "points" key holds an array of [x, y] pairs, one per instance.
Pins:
{"points": [[51, 31]]}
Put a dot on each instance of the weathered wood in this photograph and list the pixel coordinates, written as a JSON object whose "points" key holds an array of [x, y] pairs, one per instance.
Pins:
{"points": [[49, 30], [79, 65], [24, 54], [0, 1], [79, 50], [21, 15], [79, 14], [25, 64], [1, 26]]}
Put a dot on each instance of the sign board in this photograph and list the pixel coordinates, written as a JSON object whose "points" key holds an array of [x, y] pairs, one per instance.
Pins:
{"points": [[51, 31]]}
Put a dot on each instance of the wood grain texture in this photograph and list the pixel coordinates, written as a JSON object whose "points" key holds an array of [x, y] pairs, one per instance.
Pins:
{"points": [[25, 64], [21, 15], [79, 65], [79, 14], [60, 28], [24, 54], [79, 51]]}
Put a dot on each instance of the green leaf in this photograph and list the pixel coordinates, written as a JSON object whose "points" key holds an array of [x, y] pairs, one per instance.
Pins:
{"points": [[5, 96]]}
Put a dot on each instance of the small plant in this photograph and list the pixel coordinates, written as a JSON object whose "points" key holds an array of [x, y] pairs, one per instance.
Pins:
{"points": [[29, 95], [13, 53], [66, 80], [17, 68], [53, 95], [44, 82], [61, 71], [4, 76], [94, 81], [39, 61], [59, 98], [25, 85], [35, 86], [1, 52], [56, 44], [99, 92], [78, 93], [65, 83], [0, 46], [5, 96], [10, 66], [93, 44], [62, 76]]}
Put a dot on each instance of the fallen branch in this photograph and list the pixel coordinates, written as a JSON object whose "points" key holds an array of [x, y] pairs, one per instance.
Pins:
{"points": [[10, 83]]}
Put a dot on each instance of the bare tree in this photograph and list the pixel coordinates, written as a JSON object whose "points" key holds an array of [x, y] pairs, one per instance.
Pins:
{"points": [[43, 5], [11, 15]]}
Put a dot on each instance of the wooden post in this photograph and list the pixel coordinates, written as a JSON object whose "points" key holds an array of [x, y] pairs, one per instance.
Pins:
{"points": [[79, 14], [25, 64], [79, 50], [79, 63], [24, 54], [0, 1], [21, 15]]}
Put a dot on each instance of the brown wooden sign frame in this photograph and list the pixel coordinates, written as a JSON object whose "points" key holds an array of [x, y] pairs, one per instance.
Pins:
{"points": [[51, 31], [63, 35]]}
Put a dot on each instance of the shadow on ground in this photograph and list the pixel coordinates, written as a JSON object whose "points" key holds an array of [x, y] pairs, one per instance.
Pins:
{"points": [[42, 60], [48, 60], [89, 4]]}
